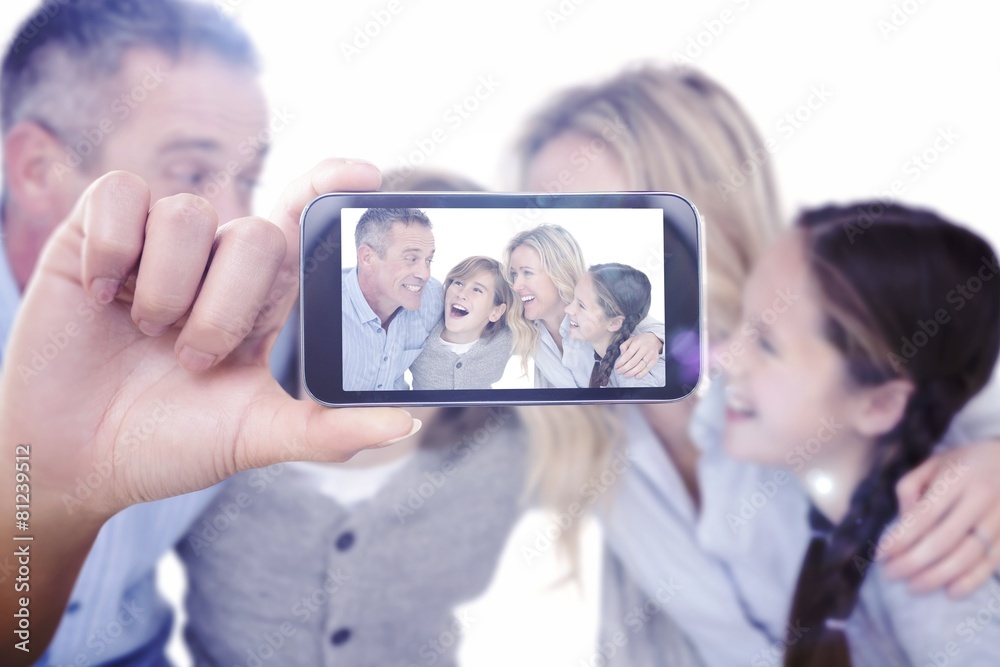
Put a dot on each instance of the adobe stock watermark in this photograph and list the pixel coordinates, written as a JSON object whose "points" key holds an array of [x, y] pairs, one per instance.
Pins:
{"points": [[786, 127], [957, 298], [581, 160], [453, 118], [562, 12], [774, 654], [435, 649], [583, 157], [968, 630], [796, 460], [943, 486], [105, 637], [724, 357], [203, 537], [365, 34], [87, 485], [41, 18], [248, 150], [710, 31], [636, 619], [463, 451], [270, 643], [228, 8], [898, 17], [591, 491], [121, 108], [913, 169]]}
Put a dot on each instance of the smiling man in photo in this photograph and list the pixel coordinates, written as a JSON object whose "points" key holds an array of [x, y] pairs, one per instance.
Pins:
{"points": [[391, 303]]}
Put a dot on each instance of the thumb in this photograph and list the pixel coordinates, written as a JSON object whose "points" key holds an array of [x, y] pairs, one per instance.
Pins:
{"points": [[286, 429]]}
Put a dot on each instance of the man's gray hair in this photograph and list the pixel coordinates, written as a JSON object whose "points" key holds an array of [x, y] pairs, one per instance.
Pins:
{"points": [[375, 226], [60, 68]]}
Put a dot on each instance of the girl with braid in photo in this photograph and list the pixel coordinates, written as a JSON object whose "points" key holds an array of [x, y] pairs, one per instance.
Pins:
{"points": [[609, 302], [848, 356]]}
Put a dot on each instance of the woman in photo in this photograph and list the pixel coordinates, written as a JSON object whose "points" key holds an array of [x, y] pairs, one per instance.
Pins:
{"points": [[544, 264], [470, 347], [609, 302]]}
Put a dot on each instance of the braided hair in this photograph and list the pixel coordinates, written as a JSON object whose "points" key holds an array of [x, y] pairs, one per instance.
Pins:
{"points": [[885, 273], [621, 292]]}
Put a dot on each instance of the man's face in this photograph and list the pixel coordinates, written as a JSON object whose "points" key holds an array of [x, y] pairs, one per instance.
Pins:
{"points": [[197, 125], [400, 276]]}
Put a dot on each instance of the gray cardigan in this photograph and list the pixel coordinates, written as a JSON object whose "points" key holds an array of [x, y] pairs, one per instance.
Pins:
{"points": [[288, 575], [437, 367]]}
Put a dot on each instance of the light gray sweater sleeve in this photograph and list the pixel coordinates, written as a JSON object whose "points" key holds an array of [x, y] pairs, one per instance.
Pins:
{"points": [[636, 630], [893, 626], [653, 326]]}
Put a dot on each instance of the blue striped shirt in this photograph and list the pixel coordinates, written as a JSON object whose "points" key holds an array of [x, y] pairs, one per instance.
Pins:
{"points": [[114, 615], [376, 358]]}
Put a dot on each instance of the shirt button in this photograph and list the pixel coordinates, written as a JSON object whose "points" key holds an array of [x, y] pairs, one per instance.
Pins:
{"points": [[340, 637], [385, 358], [345, 541], [73, 607], [458, 365], [379, 387]]}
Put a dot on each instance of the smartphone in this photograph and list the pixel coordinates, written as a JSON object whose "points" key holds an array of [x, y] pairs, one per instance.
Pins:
{"points": [[512, 299]]}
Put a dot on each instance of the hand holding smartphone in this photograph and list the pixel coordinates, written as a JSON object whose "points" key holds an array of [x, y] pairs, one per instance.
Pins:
{"points": [[481, 298]]}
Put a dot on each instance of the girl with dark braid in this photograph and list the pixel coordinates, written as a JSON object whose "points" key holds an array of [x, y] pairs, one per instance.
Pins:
{"points": [[881, 349], [609, 302]]}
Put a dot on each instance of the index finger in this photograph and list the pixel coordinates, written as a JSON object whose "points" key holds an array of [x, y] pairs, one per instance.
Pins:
{"points": [[330, 175]]}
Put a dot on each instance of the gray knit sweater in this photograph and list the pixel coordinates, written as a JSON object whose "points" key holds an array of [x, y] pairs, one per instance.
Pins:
{"points": [[437, 367], [284, 576]]}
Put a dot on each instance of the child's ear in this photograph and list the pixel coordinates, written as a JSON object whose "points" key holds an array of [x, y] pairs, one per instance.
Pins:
{"points": [[498, 311], [615, 323], [883, 407]]}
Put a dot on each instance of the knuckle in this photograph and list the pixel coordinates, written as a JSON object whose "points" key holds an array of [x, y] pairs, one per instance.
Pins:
{"points": [[258, 234], [113, 247], [164, 308], [119, 186], [186, 211], [227, 329]]}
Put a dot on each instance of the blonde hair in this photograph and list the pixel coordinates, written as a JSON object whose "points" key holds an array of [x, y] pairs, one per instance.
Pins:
{"points": [[561, 260], [673, 129]]}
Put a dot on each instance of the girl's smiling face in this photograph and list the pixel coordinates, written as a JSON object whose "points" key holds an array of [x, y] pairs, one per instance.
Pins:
{"points": [[790, 399], [587, 320], [533, 287], [469, 307]]}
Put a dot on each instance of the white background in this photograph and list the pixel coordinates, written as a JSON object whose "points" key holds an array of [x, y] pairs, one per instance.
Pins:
{"points": [[881, 94], [628, 236]]}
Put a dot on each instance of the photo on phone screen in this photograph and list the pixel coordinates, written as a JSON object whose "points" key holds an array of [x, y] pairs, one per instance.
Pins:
{"points": [[480, 298]]}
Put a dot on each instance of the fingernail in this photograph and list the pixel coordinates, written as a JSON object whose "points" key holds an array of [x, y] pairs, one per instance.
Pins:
{"points": [[151, 329], [195, 360], [353, 160], [105, 289], [416, 427]]}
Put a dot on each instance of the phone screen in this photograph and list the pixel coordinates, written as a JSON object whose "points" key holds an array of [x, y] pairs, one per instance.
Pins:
{"points": [[479, 298]]}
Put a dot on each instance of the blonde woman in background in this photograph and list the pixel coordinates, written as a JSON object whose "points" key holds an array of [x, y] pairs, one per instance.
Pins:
{"points": [[673, 553]]}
